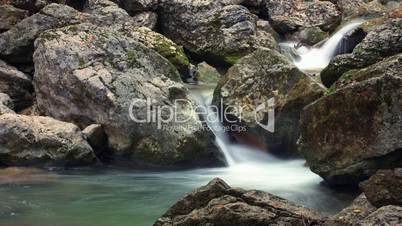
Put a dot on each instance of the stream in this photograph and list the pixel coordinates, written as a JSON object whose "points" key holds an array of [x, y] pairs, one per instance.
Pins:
{"points": [[123, 197]]}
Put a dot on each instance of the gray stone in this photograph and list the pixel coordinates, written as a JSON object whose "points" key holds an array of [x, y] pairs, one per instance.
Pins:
{"points": [[16, 84], [352, 132], [212, 29], [10, 16], [219, 204], [42, 141], [101, 80], [384, 188]]}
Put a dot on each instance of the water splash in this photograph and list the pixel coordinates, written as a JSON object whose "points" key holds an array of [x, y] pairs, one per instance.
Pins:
{"points": [[317, 58]]}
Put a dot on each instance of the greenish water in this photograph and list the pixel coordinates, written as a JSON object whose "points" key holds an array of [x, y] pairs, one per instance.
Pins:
{"points": [[125, 198]]}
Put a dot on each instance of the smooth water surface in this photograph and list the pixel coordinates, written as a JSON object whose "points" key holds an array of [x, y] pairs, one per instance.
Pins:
{"points": [[125, 198]]}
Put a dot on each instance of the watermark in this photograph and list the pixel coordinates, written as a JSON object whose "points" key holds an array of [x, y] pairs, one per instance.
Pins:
{"points": [[227, 118]]}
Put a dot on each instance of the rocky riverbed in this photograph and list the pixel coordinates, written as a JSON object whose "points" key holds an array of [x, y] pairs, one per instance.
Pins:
{"points": [[91, 84]]}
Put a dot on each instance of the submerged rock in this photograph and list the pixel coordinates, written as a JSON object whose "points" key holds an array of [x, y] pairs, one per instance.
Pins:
{"points": [[218, 204], [91, 74], [350, 134], [212, 29], [10, 16], [16, 84], [42, 141], [381, 42], [384, 188], [24, 175], [253, 81]]}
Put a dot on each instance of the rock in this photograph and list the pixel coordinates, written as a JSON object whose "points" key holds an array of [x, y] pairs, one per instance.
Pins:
{"points": [[25, 176], [10, 16], [384, 188], [134, 6], [349, 134], [263, 25], [218, 32], [309, 36], [287, 16], [33, 5], [107, 13], [269, 75], [351, 215], [95, 75], [42, 141], [390, 66], [207, 74], [350, 7], [381, 42], [387, 215], [6, 104], [98, 140], [16, 84], [164, 46], [16, 44], [146, 19], [219, 204]]}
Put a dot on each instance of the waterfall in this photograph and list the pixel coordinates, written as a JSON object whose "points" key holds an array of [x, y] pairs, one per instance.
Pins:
{"points": [[234, 154], [317, 58]]}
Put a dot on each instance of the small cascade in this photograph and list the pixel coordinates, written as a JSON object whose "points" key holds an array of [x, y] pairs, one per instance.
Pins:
{"points": [[234, 154], [203, 97], [317, 58]]}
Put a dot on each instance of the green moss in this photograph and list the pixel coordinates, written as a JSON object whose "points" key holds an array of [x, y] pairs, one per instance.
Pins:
{"points": [[232, 59], [82, 63], [132, 59]]}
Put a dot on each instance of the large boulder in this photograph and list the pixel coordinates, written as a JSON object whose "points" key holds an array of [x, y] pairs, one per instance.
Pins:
{"points": [[381, 42], [219, 204], [10, 16], [352, 132], [93, 74], [384, 188], [106, 13], [358, 210], [16, 84], [269, 75], [212, 29], [288, 16], [42, 141], [16, 44]]}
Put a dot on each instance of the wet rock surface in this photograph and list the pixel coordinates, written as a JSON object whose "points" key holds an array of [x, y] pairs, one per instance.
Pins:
{"points": [[219, 204]]}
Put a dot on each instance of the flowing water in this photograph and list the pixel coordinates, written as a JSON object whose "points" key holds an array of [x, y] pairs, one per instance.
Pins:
{"points": [[123, 197], [317, 58]]}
